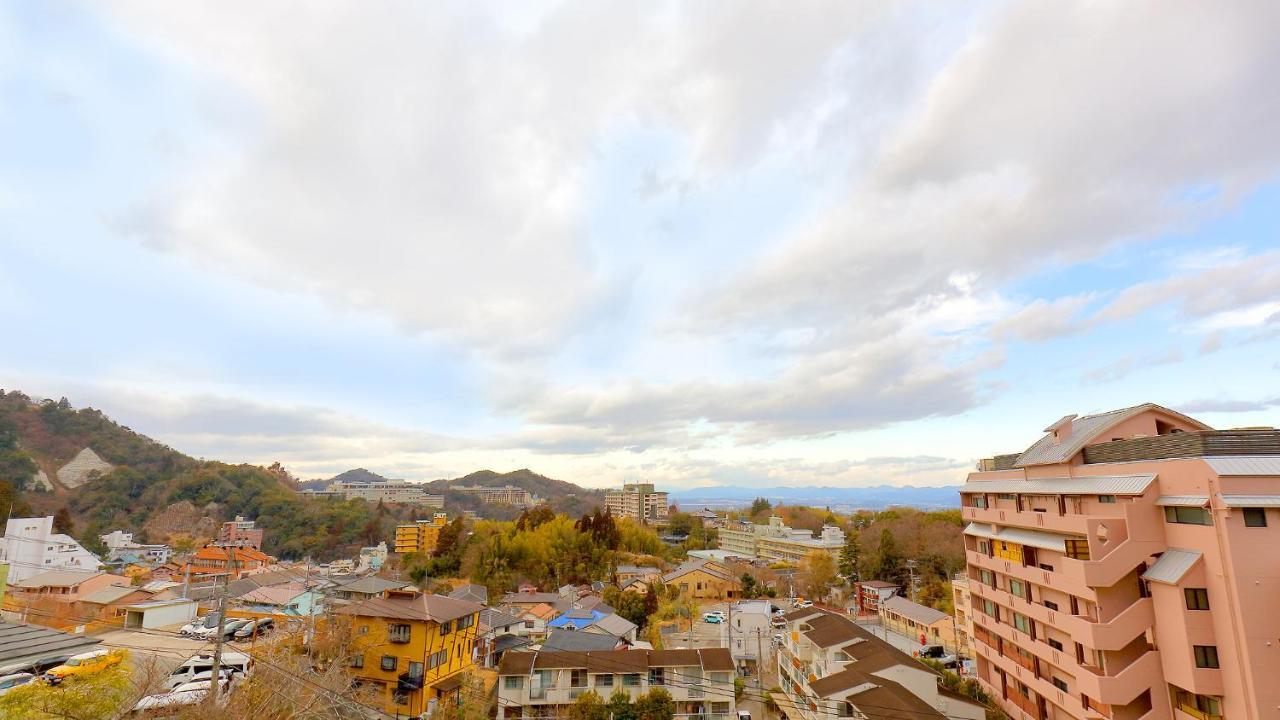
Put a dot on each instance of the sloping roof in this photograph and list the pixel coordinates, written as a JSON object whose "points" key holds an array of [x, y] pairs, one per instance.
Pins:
{"points": [[915, 611], [517, 663], [877, 584], [25, 643], [1022, 536], [1096, 485], [713, 569], [576, 618], [614, 624], [435, 608], [574, 641], [491, 618], [59, 578], [1245, 465], [840, 682], [503, 643], [1086, 429], [274, 595], [525, 598], [1171, 566], [615, 661], [633, 569], [372, 585], [473, 593], [1261, 501], [542, 611], [109, 594], [1182, 500]]}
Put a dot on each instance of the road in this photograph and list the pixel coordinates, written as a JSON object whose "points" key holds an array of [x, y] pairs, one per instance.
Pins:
{"points": [[708, 635]]}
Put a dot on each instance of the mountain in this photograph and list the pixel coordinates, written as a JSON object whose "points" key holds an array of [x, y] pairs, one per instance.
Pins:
{"points": [[836, 498]]}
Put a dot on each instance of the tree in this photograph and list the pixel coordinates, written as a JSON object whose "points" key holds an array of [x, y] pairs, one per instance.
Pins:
{"points": [[588, 706], [619, 706], [819, 571], [650, 601], [655, 705], [91, 697], [62, 522], [748, 585], [850, 556], [888, 564], [760, 505]]}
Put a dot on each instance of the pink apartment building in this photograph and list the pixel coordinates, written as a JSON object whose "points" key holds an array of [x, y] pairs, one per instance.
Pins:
{"points": [[1125, 566]]}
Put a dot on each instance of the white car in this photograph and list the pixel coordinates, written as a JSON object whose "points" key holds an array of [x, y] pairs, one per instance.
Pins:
{"points": [[191, 693], [199, 625], [9, 682], [804, 604]]}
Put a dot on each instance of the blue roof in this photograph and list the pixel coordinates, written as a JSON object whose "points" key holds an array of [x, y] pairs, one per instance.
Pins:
{"points": [[577, 619]]}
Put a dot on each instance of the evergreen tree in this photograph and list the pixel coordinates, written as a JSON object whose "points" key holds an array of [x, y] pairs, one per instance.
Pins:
{"points": [[62, 522], [888, 565], [760, 505], [850, 556]]}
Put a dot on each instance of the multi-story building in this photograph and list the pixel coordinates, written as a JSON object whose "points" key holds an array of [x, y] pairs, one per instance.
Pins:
{"points": [[777, 543], [704, 580], [420, 535], [871, 593], [962, 606], [749, 633], [239, 533], [120, 546], [829, 668], [638, 501], [388, 491], [416, 647], [505, 495], [545, 684], [213, 561], [1120, 567], [30, 547], [921, 623]]}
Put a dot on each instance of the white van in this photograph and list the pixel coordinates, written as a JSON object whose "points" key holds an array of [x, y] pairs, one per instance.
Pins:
{"points": [[235, 662]]}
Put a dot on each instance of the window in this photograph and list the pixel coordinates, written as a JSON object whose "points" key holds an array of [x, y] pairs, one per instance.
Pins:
{"points": [[435, 660], [720, 708], [980, 502], [1206, 656], [1017, 588], [398, 633], [1060, 684], [1187, 516], [1203, 705], [415, 670], [528, 624], [1255, 517], [719, 677], [984, 547], [604, 681], [1005, 496], [1078, 549], [357, 661], [362, 630], [1022, 623], [466, 622], [389, 663], [987, 577], [1051, 604], [1046, 566], [657, 676], [446, 628], [1197, 598], [577, 678], [1055, 644], [991, 609], [1107, 499], [513, 682], [631, 680]]}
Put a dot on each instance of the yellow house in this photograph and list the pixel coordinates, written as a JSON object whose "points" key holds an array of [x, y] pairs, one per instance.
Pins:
{"points": [[415, 646], [420, 535], [704, 580]]}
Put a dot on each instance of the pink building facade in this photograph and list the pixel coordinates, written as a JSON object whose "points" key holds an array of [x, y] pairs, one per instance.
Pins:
{"points": [[1123, 567]]}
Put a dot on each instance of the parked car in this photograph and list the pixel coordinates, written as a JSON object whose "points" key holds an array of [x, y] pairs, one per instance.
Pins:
{"points": [[191, 693], [9, 682], [744, 715], [200, 667], [712, 618], [201, 623], [37, 667], [778, 621], [777, 638], [83, 664], [937, 653], [261, 626], [803, 604]]}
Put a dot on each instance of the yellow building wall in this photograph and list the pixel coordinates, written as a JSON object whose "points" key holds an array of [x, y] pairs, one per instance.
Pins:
{"points": [[1008, 551], [424, 640], [701, 585]]}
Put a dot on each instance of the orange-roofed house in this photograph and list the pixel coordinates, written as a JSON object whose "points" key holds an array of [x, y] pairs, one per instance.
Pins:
{"points": [[213, 561]]}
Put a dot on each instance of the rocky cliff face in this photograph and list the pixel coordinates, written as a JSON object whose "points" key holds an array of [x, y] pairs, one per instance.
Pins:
{"points": [[82, 469]]}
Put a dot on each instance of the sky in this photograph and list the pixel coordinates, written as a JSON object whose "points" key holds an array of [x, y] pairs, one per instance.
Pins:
{"points": [[693, 243]]}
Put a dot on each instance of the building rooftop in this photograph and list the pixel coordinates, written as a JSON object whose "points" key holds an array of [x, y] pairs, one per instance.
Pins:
{"points": [[574, 641], [27, 643], [915, 611], [60, 578], [413, 606], [616, 661]]}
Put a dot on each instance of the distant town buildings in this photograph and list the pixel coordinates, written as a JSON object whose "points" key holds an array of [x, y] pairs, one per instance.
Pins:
{"points": [[1123, 566], [776, 543], [30, 547], [239, 533], [506, 495], [420, 535], [640, 502], [389, 491], [122, 548]]}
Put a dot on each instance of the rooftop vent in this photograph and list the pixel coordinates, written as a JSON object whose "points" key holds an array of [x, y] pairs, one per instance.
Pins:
{"points": [[1061, 430]]}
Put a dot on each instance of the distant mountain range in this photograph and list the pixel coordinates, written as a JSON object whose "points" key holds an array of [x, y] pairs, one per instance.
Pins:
{"points": [[837, 498]]}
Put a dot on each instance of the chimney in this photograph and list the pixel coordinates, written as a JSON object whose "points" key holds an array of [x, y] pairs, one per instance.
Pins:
{"points": [[1061, 430]]}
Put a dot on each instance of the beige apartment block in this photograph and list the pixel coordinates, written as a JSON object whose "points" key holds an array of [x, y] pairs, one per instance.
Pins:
{"points": [[1123, 567]]}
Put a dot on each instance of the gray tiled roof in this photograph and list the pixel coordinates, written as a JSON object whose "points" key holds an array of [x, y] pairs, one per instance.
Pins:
{"points": [[1096, 485], [28, 643], [614, 625], [560, 639], [1236, 501], [1034, 538], [1083, 431], [915, 611], [1245, 465]]}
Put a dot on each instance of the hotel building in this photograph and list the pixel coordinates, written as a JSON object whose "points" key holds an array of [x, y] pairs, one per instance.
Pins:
{"points": [[1122, 568], [638, 501], [777, 543]]}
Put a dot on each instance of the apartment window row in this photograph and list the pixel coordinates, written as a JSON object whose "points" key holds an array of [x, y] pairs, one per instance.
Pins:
{"points": [[436, 659], [1188, 515]]}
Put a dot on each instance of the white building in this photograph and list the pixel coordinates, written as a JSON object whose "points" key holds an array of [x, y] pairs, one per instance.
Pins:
{"points": [[120, 544], [30, 547], [776, 542], [390, 491], [749, 635]]}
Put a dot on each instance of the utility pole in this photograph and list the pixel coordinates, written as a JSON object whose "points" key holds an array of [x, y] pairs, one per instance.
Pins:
{"points": [[911, 573], [760, 657], [215, 676]]}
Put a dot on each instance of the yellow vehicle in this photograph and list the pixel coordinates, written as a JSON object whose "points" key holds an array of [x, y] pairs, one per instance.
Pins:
{"points": [[84, 664]]}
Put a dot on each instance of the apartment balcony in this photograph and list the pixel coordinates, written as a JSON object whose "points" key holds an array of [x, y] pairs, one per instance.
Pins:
{"points": [[1125, 685], [1050, 521], [1112, 567], [1059, 581], [1114, 634], [1042, 687]]}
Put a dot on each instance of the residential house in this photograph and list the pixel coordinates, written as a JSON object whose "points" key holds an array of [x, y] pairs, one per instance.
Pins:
{"points": [[120, 546], [368, 587], [870, 593], [216, 561], [749, 632], [66, 586], [112, 602], [293, 600], [415, 646], [239, 533], [962, 605], [495, 625], [565, 640], [371, 558], [626, 573], [829, 667], [471, 593], [614, 625], [704, 580], [30, 547], [535, 619], [918, 622], [22, 644], [543, 684]]}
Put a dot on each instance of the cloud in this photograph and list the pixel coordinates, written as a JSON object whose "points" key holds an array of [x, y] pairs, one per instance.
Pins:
{"points": [[1223, 405], [1044, 319], [1121, 368]]}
